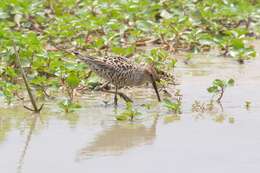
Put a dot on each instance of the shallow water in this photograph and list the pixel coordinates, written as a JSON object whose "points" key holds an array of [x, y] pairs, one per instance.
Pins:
{"points": [[91, 140]]}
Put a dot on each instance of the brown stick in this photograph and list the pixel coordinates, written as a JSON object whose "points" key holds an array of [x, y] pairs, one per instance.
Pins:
{"points": [[33, 102]]}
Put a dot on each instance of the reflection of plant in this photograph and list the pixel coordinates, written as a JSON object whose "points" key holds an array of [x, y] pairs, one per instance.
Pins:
{"points": [[201, 107], [5, 126], [128, 114], [172, 118], [211, 109], [218, 87]]}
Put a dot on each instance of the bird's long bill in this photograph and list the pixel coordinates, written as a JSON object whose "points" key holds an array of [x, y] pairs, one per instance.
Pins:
{"points": [[155, 88]]}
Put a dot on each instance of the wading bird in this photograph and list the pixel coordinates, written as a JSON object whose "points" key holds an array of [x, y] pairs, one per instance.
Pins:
{"points": [[121, 72]]}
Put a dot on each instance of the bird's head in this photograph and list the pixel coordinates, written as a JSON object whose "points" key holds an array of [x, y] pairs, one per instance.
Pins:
{"points": [[152, 75]]}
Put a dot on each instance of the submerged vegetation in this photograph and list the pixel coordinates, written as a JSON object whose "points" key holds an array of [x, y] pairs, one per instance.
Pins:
{"points": [[46, 31]]}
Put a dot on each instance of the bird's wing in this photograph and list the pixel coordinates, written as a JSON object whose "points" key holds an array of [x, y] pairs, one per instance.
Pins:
{"points": [[119, 62], [119, 58], [108, 63]]}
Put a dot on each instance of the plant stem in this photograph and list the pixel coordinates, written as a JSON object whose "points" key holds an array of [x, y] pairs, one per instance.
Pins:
{"points": [[33, 102], [221, 95]]}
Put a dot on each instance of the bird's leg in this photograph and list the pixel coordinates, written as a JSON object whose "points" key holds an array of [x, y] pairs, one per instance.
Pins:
{"points": [[101, 88], [115, 98], [122, 95], [127, 99]]}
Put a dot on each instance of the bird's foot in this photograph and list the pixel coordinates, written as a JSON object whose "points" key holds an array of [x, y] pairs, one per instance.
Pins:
{"points": [[125, 97], [122, 95]]}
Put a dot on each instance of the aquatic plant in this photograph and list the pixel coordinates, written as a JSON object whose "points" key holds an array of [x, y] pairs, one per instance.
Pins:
{"points": [[45, 31], [172, 106], [128, 114], [68, 106], [218, 87]]}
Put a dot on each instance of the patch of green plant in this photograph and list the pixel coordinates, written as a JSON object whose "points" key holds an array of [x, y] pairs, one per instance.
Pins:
{"points": [[93, 82], [123, 51], [72, 81], [219, 86], [158, 57], [161, 60], [128, 114], [9, 91], [174, 107], [68, 106], [234, 43], [45, 31]]}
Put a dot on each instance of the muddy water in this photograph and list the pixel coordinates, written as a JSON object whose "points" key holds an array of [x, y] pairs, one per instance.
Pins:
{"points": [[90, 140]]}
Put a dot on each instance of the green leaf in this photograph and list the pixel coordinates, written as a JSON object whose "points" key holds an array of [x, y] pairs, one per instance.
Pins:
{"points": [[213, 89], [173, 63], [68, 106], [72, 80], [123, 51], [219, 83], [39, 80], [10, 72], [93, 81], [231, 82], [238, 43], [173, 106]]}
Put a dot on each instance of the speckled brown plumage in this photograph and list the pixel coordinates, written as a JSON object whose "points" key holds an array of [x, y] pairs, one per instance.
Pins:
{"points": [[121, 72]]}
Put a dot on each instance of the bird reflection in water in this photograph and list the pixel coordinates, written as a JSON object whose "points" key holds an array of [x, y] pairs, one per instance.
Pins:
{"points": [[118, 139]]}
